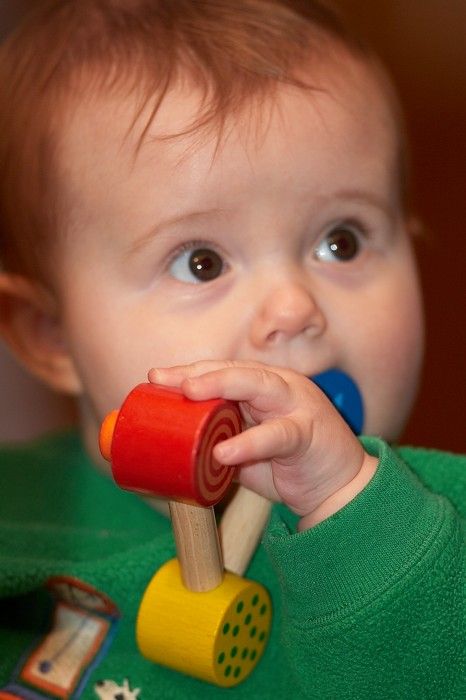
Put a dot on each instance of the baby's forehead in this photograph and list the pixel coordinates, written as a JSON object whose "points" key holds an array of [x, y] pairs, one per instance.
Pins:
{"points": [[292, 145], [184, 117]]}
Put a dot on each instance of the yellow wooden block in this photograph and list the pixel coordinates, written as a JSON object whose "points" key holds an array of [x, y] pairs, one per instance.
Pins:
{"points": [[218, 636]]}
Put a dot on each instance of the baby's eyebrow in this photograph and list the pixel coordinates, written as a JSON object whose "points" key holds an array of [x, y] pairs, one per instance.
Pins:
{"points": [[165, 225], [363, 196]]}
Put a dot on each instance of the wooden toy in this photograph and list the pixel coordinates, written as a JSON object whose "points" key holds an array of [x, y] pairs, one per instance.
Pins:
{"points": [[194, 616], [243, 522]]}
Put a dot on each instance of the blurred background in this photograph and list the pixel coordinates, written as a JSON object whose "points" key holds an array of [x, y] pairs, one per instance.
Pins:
{"points": [[423, 43]]}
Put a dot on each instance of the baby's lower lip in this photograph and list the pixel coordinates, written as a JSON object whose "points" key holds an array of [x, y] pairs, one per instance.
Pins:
{"points": [[345, 395]]}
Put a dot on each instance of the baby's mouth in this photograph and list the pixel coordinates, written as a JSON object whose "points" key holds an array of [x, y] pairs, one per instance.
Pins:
{"points": [[344, 393]]}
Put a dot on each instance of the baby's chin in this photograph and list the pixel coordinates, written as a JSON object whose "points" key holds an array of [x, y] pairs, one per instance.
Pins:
{"points": [[388, 426], [388, 405], [158, 505]]}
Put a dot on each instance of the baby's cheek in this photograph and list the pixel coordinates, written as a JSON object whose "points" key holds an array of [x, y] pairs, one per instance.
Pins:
{"points": [[390, 377]]}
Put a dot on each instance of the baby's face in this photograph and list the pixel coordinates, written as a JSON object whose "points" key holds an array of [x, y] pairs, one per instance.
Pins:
{"points": [[288, 246]]}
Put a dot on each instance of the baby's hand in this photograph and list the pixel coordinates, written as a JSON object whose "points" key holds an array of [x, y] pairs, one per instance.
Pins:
{"points": [[297, 449]]}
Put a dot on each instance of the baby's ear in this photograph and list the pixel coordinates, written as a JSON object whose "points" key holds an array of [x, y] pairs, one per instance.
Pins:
{"points": [[30, 325]]}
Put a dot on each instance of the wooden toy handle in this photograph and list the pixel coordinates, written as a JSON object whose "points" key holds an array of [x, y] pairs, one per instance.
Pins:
{"points": [[197, 546], [241, 528], [200, 546]]}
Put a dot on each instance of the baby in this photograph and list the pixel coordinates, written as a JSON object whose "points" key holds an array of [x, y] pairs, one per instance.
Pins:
{"points": [[216, 190]]}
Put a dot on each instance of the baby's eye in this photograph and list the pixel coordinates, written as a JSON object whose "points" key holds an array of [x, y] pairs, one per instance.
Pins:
{"points": [[197, 265], [341, 244]]}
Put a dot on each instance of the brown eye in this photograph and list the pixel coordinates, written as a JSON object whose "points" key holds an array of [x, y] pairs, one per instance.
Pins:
{"points": [[205, 264], [194, 265], [341, 244]]}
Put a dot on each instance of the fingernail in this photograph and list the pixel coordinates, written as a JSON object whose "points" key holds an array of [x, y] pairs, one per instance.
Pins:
{"points": [[157, 371]]}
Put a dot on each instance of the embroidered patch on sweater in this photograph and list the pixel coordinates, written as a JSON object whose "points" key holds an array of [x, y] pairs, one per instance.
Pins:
{"points": [[109, 690], [83, 625]]}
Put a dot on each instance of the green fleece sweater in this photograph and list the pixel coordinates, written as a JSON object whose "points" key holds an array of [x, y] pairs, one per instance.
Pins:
{"points": [[368, 604]]}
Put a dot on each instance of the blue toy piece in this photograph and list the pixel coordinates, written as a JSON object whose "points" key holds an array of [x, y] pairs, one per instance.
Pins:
{"points": [[345, 396]]}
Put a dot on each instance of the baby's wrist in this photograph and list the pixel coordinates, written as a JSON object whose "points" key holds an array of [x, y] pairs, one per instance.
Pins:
{"points": [[340, 498]]}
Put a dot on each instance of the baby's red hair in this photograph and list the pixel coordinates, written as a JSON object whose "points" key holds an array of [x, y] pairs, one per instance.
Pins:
{"points": [[234, 50]]}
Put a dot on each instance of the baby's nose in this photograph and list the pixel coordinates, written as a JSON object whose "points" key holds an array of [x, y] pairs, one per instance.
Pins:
{"points": [[289, 310]]}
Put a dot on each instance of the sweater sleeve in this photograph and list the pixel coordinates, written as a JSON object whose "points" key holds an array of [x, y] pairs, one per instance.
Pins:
{"points": [[373, 597]]}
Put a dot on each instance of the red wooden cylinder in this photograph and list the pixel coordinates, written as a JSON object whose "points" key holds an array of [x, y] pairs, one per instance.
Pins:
{"points": [[161, 445]]}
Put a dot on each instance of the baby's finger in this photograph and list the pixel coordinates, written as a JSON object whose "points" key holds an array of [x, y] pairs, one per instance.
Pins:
{"points": [[173, 376], [273, 439], [262, 388]]}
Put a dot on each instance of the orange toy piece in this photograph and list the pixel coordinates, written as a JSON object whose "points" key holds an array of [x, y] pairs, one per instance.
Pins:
{"points": [[160, 443]]}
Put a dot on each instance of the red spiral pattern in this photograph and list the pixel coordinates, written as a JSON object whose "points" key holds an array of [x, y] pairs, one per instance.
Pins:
{"points": [[213, 478]]}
